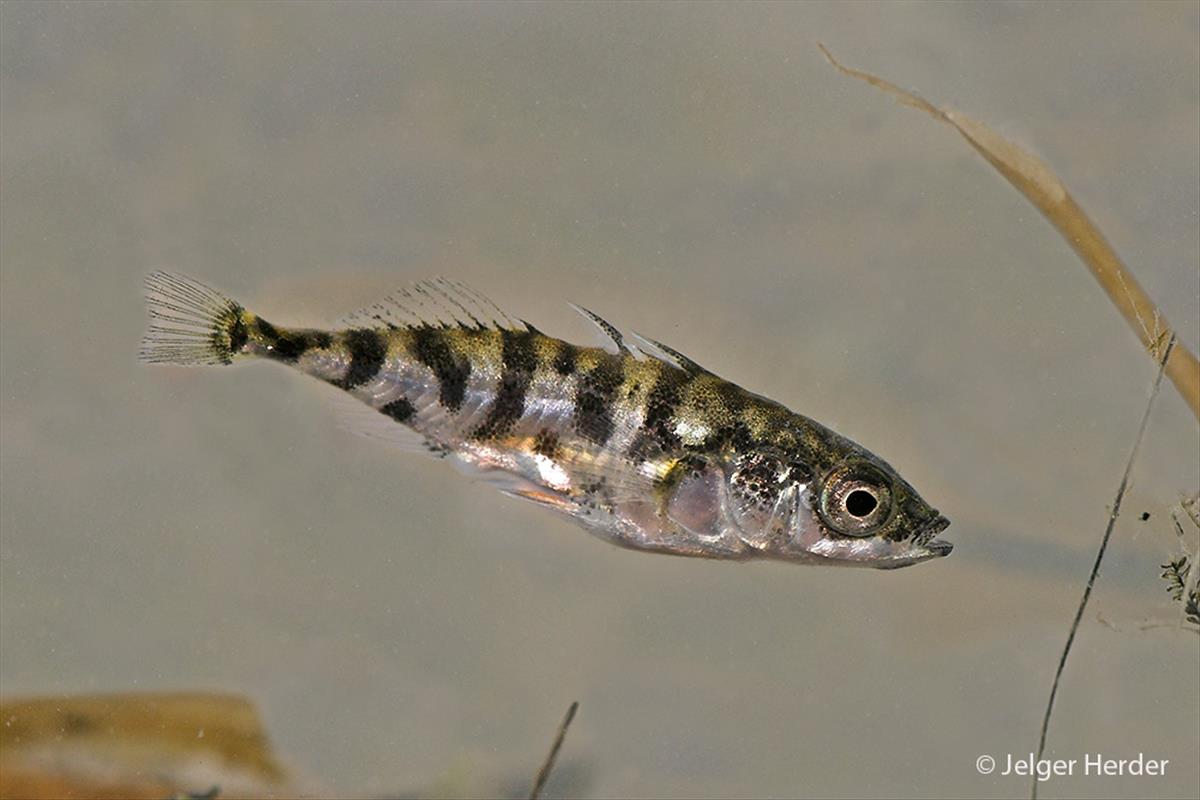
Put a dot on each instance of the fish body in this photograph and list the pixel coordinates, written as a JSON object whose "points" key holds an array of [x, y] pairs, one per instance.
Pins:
{"points": [[638, 444]]}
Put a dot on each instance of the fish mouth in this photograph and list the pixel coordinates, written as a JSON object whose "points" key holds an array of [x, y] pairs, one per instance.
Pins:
{"points": [[939, 548], [934, 548], [922, 546]]}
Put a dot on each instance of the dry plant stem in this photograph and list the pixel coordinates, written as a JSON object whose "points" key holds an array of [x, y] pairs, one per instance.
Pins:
{"points": [[547, 765], [1034, 179], [1087, 591]]}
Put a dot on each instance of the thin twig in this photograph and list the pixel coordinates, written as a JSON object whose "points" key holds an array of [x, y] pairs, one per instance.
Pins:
{"points": [[1112, 521], [547, 765]]}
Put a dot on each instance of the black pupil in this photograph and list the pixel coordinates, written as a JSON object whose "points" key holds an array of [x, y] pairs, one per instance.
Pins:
{"points": [[860, 503]]}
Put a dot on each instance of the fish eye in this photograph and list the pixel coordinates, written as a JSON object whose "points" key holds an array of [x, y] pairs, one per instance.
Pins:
{"points": [[860, 503], [856, 499]]}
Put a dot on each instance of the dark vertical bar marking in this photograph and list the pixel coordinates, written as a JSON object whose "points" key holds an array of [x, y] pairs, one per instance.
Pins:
{"points": [[657, 434], [594, 397], [289, 346], [367, 352], [519, 362], [237, 330], [564, 362], [429, 346]]}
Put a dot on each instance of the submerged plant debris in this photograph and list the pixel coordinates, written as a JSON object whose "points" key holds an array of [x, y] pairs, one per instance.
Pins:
{"points": [[1176, 573], [543, 774], [1180, 573], [136, 746]]}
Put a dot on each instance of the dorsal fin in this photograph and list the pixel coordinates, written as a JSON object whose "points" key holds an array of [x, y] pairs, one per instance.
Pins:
{"points": [[670, 355], [609, 331], [439, 302]]}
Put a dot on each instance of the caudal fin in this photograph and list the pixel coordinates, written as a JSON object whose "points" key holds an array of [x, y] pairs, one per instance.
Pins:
{"points": [[190, 323]]}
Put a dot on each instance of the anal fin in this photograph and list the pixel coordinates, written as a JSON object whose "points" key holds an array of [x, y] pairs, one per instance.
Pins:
{"points": [[544, 498], [363, 419]]}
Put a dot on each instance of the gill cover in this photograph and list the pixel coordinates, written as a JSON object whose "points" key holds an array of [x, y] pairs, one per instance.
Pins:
{"points": [[764, 496]]}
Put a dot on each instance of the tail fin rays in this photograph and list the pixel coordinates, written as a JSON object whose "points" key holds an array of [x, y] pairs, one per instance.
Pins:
{"points": [[190, 323]]}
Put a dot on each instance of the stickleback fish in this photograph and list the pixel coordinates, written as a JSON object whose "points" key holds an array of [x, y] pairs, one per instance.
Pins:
{"points": [[636, 442]]}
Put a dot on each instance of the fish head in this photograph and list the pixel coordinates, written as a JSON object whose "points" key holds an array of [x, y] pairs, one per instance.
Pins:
{"points": [[858, 512]]}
